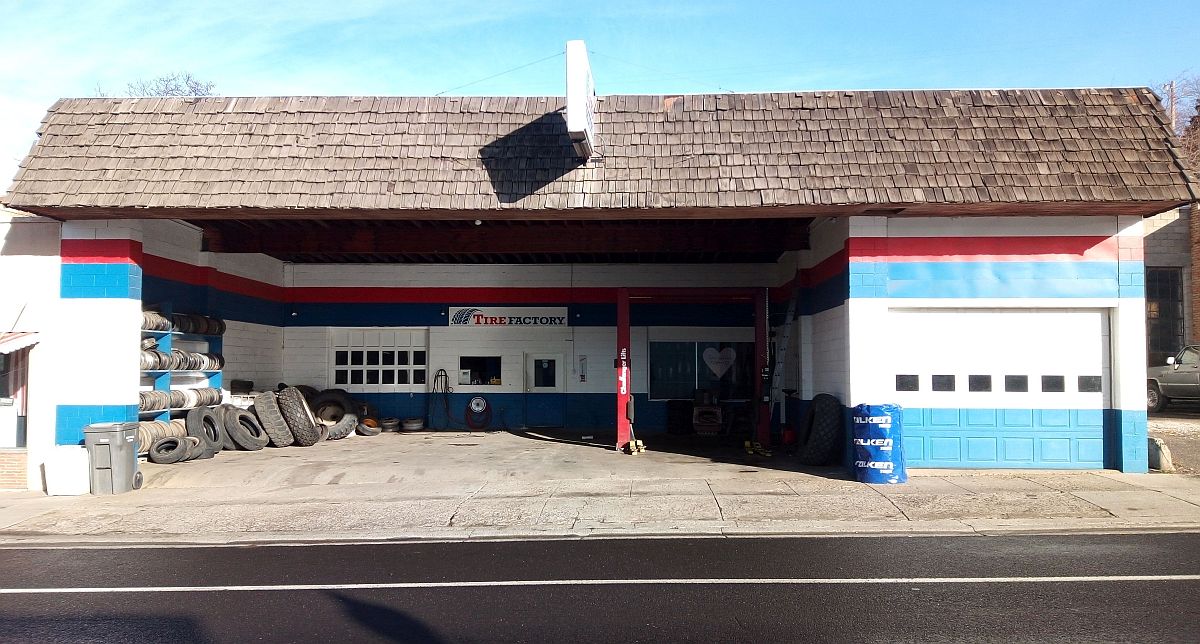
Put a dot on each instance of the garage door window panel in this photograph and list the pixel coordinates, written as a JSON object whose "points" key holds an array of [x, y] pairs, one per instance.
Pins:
{"points": [[378, 360]]}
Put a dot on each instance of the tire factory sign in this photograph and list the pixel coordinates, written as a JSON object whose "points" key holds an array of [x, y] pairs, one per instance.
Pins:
{"points": [[517, 316]]}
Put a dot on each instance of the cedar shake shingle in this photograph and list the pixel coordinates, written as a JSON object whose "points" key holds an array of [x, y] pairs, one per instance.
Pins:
{"points": [[697, 151]]}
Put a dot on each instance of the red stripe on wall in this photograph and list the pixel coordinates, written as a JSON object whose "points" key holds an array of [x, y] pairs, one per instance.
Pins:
{"points": [[207, 276], [827, 268], [981, 249], [101, 251]]}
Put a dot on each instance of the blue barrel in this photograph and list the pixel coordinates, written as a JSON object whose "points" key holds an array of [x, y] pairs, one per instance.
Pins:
{"points": [[878, 451]]}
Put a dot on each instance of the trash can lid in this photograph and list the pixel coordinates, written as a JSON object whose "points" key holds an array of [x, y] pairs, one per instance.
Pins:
{"points": [[106, 427]]}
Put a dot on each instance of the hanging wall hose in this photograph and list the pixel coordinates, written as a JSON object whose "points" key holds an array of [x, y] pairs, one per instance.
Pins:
{"points": [[441, 390]]}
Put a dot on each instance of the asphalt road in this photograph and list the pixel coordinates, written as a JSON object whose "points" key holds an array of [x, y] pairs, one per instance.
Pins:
{"points": [[1035, 588]]}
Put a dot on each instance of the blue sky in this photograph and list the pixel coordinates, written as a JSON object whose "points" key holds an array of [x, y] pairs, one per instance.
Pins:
{"points": [[55, 48]]}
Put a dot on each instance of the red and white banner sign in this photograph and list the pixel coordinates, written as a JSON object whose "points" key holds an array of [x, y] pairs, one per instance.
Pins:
{"points": [[510, 316]]}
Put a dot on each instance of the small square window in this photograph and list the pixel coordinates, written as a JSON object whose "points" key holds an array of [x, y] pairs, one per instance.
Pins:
{"points": [[340, 377], [943, 383], [372, 376], [401, 377], [1090, 384], [418, 358], [341, 358], [908, 383], [1016, 383], [388, 358], [372, 358], [356, 358], [356, 377], [401, 358], [1054, 384], [389, 377], [979, 383], [418, 376]]}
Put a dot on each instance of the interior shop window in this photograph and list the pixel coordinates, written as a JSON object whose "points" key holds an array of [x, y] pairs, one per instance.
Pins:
{"points": [[479, 370], [1164, 313], [6, 376], [378, 359], [678, 369]]}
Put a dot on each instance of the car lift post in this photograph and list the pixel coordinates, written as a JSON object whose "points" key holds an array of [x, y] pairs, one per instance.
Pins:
{"points": [[624, 384]]}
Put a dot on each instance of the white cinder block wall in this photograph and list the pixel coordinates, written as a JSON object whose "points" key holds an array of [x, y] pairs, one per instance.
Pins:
{"points": [[824, 336], [29, 248]]}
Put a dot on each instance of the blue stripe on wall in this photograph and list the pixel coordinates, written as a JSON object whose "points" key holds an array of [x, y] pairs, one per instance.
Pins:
{"points": [[826, 295], [71, 419], [579, 411], [995, 279], [117, 280]]}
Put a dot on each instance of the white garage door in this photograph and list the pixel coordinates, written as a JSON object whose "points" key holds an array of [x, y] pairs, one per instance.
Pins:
{"points": [[1001, 387]]}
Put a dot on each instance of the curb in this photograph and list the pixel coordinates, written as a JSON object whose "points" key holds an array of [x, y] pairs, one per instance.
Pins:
{"points": [[818, 530]]}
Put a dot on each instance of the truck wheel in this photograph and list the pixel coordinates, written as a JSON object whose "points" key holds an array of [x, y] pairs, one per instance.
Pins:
{"points": [[1155, 401]]}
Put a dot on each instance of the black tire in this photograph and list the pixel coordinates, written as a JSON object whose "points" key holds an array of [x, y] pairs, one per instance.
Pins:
{"points": [[363, 430], [299, 419], [332, 404], [227, 442], [823, 435], [1155, 400], [195, 447], [266, 406], [244, 429], [309, 392], [168, 450], [343, 427], [202, 422]]}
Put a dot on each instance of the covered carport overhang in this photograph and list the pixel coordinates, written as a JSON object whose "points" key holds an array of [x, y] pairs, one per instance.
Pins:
{"points": [[517, 236]]}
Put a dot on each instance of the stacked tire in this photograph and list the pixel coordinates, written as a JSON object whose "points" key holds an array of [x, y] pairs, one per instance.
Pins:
{"points": [[278, 418]]}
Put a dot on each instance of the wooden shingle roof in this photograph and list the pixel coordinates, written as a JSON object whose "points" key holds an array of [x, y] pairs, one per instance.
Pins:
{"points": [[798, 152]]}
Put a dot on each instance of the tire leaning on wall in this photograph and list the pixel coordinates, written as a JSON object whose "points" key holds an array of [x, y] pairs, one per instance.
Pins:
{"points": [[202, 422], [266, 407], [168, 450], [243, 428], [298, 416], [823, 422], [343, 427]]}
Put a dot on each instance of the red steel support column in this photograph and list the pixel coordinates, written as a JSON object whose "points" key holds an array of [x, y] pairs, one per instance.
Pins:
{"points": [[624, 380], [761, 357]]}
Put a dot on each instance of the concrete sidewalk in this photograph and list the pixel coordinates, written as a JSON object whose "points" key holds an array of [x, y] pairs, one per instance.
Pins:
{"points": [[502, 485]]}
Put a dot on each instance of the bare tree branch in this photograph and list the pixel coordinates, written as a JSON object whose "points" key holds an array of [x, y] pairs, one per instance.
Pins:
{"points": [[173, 84]]}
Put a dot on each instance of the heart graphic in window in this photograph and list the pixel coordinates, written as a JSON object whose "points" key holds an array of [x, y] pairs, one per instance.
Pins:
{"points": [[719, 361]]}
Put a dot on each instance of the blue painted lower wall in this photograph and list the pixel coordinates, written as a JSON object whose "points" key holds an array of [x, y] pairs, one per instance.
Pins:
{"points": [[71, 419], [514, 410]]}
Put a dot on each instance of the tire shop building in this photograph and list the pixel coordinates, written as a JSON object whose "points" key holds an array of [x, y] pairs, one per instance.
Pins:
{"points": [[975, 256]]}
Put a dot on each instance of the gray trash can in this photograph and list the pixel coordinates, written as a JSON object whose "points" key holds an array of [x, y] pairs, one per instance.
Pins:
{"points": [[112, 453]]}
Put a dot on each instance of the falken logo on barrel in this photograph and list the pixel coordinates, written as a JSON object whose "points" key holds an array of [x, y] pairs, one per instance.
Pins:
{"points": [[511, 316]]}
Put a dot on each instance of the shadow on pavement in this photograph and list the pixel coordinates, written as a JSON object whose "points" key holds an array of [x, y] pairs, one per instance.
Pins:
{"points": [[385, 621], [718, 449]]}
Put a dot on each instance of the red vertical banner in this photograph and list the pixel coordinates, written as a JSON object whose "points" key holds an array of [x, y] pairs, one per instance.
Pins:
{"points": [[762, 325], [624, 373]]}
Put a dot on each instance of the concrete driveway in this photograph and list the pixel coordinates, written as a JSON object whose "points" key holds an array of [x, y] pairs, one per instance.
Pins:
{"points": [[462, 485]]}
